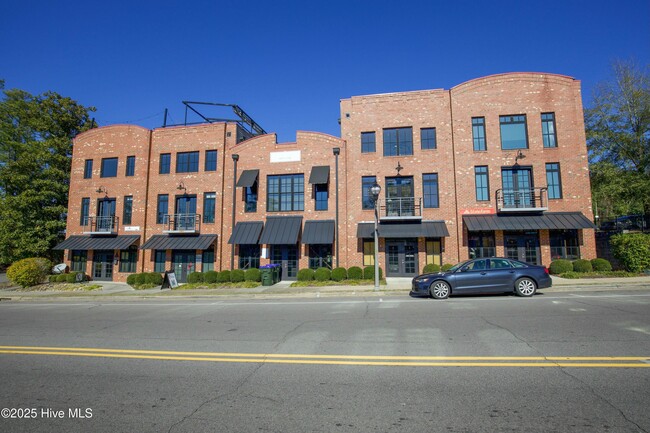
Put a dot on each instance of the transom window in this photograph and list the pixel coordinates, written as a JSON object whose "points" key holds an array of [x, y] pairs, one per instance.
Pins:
{"points": [[398, 141], [513, 132], [187, 162], [285, 193]]}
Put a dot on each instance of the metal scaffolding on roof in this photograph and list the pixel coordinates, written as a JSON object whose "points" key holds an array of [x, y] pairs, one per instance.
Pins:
{"points": [[243, 120]]}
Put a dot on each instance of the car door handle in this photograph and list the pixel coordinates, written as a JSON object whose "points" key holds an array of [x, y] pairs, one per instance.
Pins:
{"points": [[483, 273]]}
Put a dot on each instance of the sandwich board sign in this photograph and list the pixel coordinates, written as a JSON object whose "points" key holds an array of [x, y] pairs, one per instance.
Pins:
{"points": [[169, 281]]}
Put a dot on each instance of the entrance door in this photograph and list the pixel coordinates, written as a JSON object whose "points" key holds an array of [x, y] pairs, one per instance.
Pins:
{"points": [[103, 265], [287, 257], [402, 258], [399, 196], [523, 246], [105, 214], [517, 187], [183, 262]]}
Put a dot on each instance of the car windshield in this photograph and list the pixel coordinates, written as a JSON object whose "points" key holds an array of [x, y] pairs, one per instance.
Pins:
{"points": [[458, 266]]}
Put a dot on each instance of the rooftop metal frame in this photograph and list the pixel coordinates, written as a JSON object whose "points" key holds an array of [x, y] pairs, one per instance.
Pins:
{"points": [[243, 120]]}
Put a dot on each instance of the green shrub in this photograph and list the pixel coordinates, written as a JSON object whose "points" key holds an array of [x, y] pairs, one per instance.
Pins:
{"points": [[322, 274], [571, 275], [253, 274], [355, 273], [153, 278], [72, 277], [195, 277], [62, 278], [130, 280], [140, 279], [237, 276], [632, 250], [52, 278], [223, 277], [582, 265], [305, 275], [339, 274], [29, 272], [211, 277], [601, 265], [446, 266], [560, 266], [369, 273], [431, 268]]}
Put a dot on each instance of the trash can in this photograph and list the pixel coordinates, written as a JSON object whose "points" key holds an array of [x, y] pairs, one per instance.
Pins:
{"points": [[267, 275], [277, 273]]}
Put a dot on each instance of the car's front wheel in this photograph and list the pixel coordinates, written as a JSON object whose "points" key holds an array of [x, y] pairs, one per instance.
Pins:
{"points": [[439, 290], [525, 287]]}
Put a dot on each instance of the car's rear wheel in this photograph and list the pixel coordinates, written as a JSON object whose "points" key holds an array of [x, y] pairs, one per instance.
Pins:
{"points": [[525, 287], [439, 290]]}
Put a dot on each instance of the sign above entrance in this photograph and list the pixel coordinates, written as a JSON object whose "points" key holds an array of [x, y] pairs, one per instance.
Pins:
{"points": [[288, 156], [478, 211]]}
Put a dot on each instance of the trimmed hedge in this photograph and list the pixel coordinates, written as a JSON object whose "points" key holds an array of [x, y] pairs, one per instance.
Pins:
{"points": [[211, 277], [195, 277], [601, 265], [369, 273], [355, 273], [322, 274], [431, 268], [62, 278], [446, 266], [130, 280], [237, 276], [224, 277], [339, 274], [153, 278], [252, 274], [632, 250], [582, 265], [560, 266], [29, 272], [305, 275]]}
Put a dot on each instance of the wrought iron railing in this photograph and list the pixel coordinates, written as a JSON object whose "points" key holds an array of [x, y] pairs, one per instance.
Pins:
{"points": [[101, 225], [182, 223], [402, 207], [522, 200]]}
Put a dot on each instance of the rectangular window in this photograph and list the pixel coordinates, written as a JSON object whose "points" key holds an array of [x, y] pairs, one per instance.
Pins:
{"points": [[187, 162], [481, 244], [78, 262], [88, 169], [85, 211], [553, 180], [368, 253], [478, 133], [428, 138], [320, 256], [128, 210], [129, 260], [564, 244], [433, 252], [165, 163], [368, 143], [398, 141], [162, 209], [321, 194], [513, 132], [366, 183], [430, 190], [210, 160], [209, 202], [285, 193], [250, 197], [207, 263], [482, 183], [109, 167], [130, 165], [249, 256], [160, 257], [548, 130]]}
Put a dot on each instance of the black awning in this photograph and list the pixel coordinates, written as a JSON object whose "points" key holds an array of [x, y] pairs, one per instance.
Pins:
{"points": [[318, 232], [550, 220], [424, 229], [281, 230], [81, 242], [246, 233], [248, 178], [319, 174], [165, 242]]}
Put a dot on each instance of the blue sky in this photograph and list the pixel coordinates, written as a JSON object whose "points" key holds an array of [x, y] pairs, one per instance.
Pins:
{"points": [[288, 63]]}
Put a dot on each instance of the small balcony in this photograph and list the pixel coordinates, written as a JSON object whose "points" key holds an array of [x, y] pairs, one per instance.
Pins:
{"points": [[400, 208], [101, 225], [522, 200], [182, 223]]}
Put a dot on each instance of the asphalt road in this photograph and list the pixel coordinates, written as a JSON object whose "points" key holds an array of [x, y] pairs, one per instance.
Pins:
{"points": [[554, 363]]}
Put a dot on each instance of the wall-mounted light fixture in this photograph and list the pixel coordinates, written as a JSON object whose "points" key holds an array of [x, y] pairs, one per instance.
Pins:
{"points": [[101, 189], [181, 186], [520, 155]]}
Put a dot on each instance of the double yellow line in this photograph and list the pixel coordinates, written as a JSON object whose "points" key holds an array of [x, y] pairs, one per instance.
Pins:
{"points": [[387, 361]]}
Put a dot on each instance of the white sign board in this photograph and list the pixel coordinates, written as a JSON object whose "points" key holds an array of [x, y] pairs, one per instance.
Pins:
{"points": [[288, 156], [131, 228]]}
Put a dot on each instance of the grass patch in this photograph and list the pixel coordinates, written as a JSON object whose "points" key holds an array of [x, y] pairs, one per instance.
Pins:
{"points": [[240, 285], [145, 286], [603, 274], [61, 287], [336, 283]]}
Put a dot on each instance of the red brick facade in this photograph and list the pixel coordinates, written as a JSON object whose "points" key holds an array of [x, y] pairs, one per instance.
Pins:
{"points": [[436, 172]]}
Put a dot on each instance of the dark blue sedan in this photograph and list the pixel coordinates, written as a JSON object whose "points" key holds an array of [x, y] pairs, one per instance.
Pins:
{"points": [[487, 275]]}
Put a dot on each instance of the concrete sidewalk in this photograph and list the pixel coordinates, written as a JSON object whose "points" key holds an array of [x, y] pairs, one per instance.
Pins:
{"points": [[393, 286]]}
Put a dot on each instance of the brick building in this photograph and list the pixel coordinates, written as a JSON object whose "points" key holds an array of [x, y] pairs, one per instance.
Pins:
{"points": [[494, 166]]}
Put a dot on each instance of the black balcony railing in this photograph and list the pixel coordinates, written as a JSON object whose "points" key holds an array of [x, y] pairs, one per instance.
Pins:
{"points": [[522, 200], [182, 223], [97, 225], [402, 207]]}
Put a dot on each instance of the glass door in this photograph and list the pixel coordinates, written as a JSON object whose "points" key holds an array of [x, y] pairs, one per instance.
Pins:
{"points": [[103, 265], [522, 246], [400, 196], [401, 258], [185, 217], [105, 214], [287, 257], [517, 187], [183, 262]]}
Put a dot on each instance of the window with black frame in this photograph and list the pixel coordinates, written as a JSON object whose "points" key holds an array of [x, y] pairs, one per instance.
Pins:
{"points": [[129, 259], [481, 244], [285, 192], [398, 141], [320, 256], [250, 198], [564, 244], [249, 256]]}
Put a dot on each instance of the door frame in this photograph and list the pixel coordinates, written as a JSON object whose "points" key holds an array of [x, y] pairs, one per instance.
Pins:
{"points": [[104, 265], [285, 250], [401, 256], [521, 237]]}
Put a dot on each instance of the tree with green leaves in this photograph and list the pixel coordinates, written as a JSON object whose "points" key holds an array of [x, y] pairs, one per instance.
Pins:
{"points": [[618, 138], [36, 135]]}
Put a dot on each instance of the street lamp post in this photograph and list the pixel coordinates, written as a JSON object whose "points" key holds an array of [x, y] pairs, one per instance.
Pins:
{"points": [[374, 192], [235, 158], [337, 152]]}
